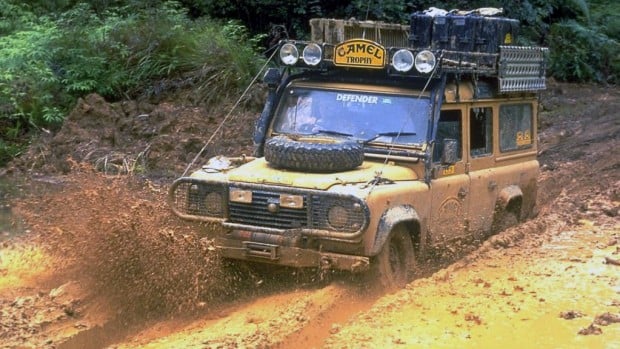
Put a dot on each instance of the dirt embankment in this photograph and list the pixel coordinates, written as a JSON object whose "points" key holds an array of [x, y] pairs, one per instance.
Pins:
{"points": [[136, 138], [106, 264]]}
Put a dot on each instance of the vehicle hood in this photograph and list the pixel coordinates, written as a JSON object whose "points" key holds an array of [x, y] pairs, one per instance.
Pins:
{"points": [[259, 172]]}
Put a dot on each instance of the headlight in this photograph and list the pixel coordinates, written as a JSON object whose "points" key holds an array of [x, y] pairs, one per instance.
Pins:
{"points": [[338, 213], [289, 54], [425, 61], [402, 60], [312, 54], [338, 217], [213, 203]]}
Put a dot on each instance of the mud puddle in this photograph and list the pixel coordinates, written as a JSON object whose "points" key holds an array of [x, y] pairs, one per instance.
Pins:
{"points": [[318, 330], [294, 318], [100, 336]]}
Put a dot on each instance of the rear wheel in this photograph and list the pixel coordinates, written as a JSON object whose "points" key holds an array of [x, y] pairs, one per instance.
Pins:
{"points": [[504, 220], [394, 265]]}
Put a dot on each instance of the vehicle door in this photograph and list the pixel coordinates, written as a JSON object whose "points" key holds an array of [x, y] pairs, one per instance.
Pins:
{"points": [[450, 182], [480, 164]]}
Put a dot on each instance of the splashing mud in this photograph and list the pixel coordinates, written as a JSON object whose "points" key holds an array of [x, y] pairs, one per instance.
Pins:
{"points": [[128, 248]]}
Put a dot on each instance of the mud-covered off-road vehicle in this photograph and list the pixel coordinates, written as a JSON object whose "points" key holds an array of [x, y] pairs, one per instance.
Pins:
{"points": [[379, 143]]}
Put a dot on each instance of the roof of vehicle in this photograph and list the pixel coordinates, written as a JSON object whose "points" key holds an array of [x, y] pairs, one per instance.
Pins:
{"points": [[361, 87]]}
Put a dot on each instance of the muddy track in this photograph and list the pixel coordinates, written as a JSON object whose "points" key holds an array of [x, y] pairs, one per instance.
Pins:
{"points": [[99, 261]]}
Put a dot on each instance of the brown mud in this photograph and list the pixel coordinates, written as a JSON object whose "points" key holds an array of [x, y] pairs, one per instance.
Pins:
{"points": [[91, 256]]}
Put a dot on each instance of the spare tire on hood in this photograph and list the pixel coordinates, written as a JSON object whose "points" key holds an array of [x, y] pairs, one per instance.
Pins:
{"points": [[313, 153]]}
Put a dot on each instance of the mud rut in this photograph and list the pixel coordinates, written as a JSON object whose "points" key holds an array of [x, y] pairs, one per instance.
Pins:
{"points": [[105, 264]]}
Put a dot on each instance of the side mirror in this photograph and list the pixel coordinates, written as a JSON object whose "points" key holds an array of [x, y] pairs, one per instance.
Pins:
{"points": [[272, 77], [449, 153]]}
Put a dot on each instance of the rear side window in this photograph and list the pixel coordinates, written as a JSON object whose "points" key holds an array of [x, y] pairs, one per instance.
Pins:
{"points": [[515, 127], [481, 131]]}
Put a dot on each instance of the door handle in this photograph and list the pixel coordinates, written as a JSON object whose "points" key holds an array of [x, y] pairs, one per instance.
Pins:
{"points": [[462, 193]]}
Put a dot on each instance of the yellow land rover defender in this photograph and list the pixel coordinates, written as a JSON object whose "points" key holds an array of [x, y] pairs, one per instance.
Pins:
{"points": [[378, 143]]}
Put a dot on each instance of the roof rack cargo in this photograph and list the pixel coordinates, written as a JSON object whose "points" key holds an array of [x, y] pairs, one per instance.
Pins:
{"points": [[463, 44], [335, 31], [471, 32]]}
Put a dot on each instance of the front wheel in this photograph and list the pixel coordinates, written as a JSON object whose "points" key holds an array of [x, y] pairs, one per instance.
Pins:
{"points": [[394, 265]]}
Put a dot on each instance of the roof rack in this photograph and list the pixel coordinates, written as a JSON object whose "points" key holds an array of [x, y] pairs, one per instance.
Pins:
{"points": [[462, 44]]}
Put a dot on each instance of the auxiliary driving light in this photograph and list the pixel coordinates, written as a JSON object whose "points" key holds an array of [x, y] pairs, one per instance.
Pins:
{"points": [[241, 196], [289, 54], [402, 60], [425, 61], [291, 201], [312, 54]]}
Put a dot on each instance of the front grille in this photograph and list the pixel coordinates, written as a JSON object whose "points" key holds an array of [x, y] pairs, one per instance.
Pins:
{"points": [[257, 213], [209, 200]]}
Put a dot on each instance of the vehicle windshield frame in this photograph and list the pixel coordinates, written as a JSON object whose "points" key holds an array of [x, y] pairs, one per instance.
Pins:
{"points": [[358, 114]]}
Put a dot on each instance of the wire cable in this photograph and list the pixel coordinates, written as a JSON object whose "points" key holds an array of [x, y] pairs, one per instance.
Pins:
{"points": [[228, 116]]}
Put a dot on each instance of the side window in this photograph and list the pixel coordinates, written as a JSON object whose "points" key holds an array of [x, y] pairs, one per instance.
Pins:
{"points": [[481, 131], [448, 127], [515, 127]]}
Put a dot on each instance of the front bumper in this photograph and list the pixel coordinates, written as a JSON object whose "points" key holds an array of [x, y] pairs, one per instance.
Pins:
{"points": [[289, 256]]}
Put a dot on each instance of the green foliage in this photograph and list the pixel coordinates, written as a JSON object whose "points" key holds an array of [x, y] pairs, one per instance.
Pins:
{"points": [[260, 15], [47, 62], [125, 50], [580, 9], [27, 81], [579, 53], [606, 17], [12, 17], [393, 11], [9, 150]]}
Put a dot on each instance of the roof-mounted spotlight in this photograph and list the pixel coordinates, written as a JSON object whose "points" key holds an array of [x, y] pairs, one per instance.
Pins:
{"points": [[312, 54], [289, 54], [425, 61], [402, 60]]}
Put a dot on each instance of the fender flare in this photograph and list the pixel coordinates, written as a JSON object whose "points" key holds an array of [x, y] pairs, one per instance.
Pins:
{"points": [[507, 195], [389, 219]]}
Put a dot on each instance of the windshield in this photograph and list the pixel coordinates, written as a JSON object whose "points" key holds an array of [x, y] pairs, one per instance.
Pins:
{"points": [[370, 117]]}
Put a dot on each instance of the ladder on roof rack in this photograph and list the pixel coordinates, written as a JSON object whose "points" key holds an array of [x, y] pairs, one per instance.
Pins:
{"points": [[518, 68], [522, 68]]}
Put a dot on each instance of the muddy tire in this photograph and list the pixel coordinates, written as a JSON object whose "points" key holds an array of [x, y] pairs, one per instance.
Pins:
{"points": [[314, 154], [394, 265], [504, 220]]}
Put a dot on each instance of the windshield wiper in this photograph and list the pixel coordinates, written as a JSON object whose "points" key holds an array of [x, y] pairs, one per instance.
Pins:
{"points": [[334, 133], [389, 134]]}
